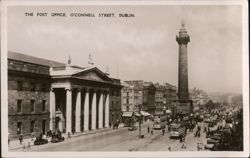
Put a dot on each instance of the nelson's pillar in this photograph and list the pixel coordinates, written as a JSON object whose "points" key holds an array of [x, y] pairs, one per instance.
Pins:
{"points": [[184, 104]]}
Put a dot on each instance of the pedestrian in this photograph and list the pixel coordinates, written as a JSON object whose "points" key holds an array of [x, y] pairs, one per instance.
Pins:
{"points": [[169, 148], [152, 132], [184, 138], [148, 129], [29, 144], [205, 129], [163, 131], [21, 138], [198, 147], [24, 146], [180, 139]]}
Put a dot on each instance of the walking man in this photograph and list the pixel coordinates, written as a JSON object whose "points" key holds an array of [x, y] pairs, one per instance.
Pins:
{"points": [[148, 129], [163, 131], [152, 132]]}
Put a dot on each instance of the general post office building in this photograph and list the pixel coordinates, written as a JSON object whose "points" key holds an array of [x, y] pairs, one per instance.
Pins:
{"points": [[44, 94]]}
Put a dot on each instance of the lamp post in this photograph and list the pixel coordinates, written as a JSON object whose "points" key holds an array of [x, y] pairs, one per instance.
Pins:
{"points": [[140, 117]]}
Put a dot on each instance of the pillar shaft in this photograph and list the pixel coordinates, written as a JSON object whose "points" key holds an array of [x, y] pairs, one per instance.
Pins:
{"points": [[68, 111], [78, 112], [86, 112], [107, 111], [100, 125], [183, 73], [93, 112]]}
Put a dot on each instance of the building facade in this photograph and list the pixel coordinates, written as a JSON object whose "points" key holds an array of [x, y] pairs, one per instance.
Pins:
{"points": [[160, 102], [28, 94], [44, 94], [145, 93], [131, 97]]}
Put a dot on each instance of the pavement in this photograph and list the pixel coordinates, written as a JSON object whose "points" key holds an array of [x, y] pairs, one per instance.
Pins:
{"points": [[29, 142], [123, 140]]}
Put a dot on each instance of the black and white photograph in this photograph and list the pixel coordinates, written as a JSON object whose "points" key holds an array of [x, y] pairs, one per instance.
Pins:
{"points": [[124, 78]]}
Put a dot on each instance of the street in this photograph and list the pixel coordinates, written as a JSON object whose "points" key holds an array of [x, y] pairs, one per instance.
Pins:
{"points": [[123, 140]]}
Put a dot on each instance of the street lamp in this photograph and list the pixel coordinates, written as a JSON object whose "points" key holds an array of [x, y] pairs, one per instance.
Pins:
{"points": [[140, 117]]}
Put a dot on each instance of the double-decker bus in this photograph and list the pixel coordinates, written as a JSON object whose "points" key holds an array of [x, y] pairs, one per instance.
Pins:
{"points": [[177, 130], [160, 122]]}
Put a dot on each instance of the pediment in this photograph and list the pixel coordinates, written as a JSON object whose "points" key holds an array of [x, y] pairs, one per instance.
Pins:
{"points": [[93, 74]]}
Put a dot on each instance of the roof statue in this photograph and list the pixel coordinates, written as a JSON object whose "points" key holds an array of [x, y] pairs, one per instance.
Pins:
{"points": [[69, 60], [90, 62], [182, 23]]}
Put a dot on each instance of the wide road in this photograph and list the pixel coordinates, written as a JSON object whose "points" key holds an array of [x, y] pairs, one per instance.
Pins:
{"points": [[123, 140]]}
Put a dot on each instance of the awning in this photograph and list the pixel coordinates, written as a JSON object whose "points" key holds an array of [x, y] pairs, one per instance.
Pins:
{"points": [[136, 114], [168, 111], [127, 114], [144, 113]]}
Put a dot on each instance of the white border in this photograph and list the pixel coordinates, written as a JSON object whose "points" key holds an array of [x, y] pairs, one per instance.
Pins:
{"points": [[4, 90]]}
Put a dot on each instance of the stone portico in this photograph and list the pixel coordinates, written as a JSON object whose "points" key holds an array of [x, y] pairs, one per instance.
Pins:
{"points": [[79, 99]]}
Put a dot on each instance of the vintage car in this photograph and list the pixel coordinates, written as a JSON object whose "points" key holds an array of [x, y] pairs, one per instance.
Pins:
{"points": [[216, 137], [212, 141], [56, 138], [39, 140], [209, 146], [132, 128]]}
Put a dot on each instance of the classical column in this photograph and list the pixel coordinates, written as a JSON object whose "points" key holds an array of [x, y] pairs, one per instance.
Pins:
{"points": [[78, 111], [86, 111], [93, 112], [107, 111], [52, 109], [100, 121], [68, 111]]}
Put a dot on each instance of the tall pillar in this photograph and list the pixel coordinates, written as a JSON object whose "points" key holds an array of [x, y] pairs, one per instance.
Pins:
{"points": [[86, 111], [93, 112], [100, 121], [78, 112], [52, 109], [68, 111], [107, 111], [183, 40]]}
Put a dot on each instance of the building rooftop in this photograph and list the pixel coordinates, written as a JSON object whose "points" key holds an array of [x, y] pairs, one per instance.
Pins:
{"points": [[34, 60]]}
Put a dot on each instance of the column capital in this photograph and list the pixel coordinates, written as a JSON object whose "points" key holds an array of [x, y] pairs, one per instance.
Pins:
{"points": [[68, 89], [52, 89]]}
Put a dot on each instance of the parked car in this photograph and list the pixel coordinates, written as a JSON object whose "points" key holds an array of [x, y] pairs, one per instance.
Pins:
{"points": [[39, 140], [56, 138], [212, 141], [132, 128]]}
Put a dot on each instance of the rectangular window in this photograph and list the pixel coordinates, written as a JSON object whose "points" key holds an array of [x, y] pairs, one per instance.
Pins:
{"points": [[19, 105], [43, 105], [19, 127], [32, 126], [127, 100], [32, 86], [32, 105], [44, 87], [19, 85]]}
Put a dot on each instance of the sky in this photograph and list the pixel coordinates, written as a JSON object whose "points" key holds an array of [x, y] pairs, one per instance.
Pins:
{"points": [[141, 47]]}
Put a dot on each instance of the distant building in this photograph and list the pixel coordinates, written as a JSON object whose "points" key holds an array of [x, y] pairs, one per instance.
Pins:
{"points": [[44, 94], [199, 97], [160, 101], [170, 95], [131, 97], [139, 92]]}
